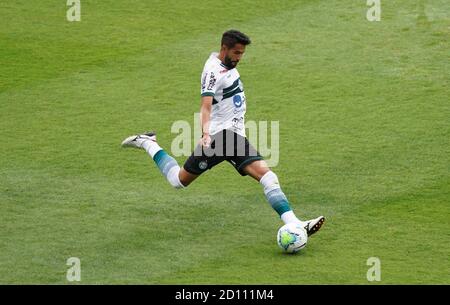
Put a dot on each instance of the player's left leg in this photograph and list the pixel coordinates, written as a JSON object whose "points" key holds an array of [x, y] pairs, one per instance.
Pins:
{"points": [[178, 177], [166, 163]]}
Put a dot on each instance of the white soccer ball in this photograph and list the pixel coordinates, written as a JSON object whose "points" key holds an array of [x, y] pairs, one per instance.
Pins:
{"points": [[292, 237]]}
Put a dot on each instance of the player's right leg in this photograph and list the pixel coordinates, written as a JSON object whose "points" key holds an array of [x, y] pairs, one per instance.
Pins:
{"points": [[268, 179], [176, 176]]}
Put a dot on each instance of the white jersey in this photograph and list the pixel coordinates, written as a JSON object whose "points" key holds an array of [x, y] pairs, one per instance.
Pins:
{"points": [[229, 104]]}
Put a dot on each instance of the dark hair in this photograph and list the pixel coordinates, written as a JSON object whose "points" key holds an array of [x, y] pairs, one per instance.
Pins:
{"points": [[232, 37]]}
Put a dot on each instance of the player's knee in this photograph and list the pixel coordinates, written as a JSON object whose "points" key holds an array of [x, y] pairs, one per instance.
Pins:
{"points": [[185, 183], [269, 181], [173, 177]]}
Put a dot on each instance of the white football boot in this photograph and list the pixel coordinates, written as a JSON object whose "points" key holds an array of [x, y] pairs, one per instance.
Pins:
{"points": [[136, 141], [313, 225]]}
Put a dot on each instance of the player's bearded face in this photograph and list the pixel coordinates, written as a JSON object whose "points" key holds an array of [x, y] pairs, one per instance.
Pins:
{"points": [[230, 63], [234, 55]]}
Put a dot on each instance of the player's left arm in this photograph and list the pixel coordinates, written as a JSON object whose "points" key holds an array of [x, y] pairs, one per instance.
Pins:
{"points": [[205, 117], [209, 83]]}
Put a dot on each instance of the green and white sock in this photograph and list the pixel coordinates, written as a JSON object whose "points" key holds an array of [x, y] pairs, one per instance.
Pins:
{"points": [[277, 198], [167, 165]]}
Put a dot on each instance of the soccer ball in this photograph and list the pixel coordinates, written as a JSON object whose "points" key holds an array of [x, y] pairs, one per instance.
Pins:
{"points": [[292, 237]]}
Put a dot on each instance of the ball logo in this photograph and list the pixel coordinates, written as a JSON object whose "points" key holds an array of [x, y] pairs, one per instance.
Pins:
{"points": [[203, 165], [237, 100]]}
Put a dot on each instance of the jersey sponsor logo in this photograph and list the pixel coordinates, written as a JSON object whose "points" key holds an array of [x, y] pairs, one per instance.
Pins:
{"points": [[238, 123], [212, 81], [238, 110], [241, 109], [204, 81], [237, 100]]}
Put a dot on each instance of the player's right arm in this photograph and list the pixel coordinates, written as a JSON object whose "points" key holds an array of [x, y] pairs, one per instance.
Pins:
{"points": [[205, 116]]}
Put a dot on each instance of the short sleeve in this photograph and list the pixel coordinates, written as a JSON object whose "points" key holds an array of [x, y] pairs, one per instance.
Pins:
{"points": [[209, 83]]}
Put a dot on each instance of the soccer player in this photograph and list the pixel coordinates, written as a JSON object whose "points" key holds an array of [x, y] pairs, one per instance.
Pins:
{"points": [[223, 107]]}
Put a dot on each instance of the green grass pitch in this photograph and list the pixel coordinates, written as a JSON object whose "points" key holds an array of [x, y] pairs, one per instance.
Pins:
{"points": [[364, 118]]}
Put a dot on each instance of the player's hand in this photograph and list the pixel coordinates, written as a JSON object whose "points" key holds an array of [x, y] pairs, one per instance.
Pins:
{"points": [[206, 141]]}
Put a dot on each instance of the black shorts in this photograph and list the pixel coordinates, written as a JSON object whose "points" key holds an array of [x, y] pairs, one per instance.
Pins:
{"points": [[225, 145]]}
